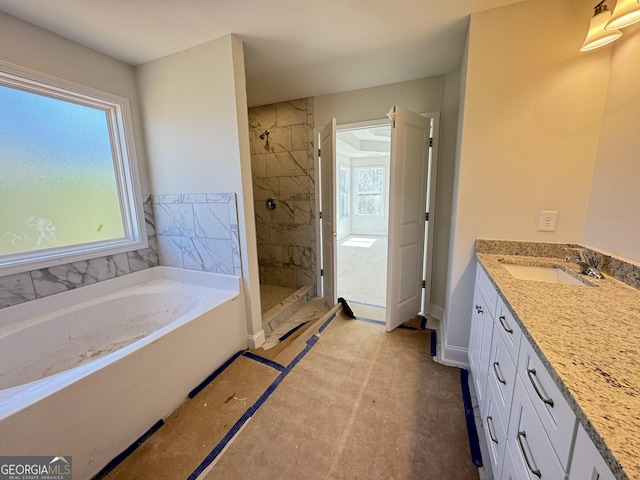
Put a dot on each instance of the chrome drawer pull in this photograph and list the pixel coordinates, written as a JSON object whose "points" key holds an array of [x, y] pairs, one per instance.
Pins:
{"points": [[502, 322], [536, 472], [530, 372], [495, 370], [478, 309], [494, 440]]}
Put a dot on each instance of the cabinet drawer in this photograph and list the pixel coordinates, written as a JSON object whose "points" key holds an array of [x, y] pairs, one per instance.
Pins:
{"points": [[501, 376], [533, 454], [508, 329], [495, 433], [587, 461], [508, 471], [557, 418], [487, 290]]}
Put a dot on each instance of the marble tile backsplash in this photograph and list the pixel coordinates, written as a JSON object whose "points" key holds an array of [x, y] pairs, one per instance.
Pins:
{"points": [[23, 287], [283, 168], [198, 232]]}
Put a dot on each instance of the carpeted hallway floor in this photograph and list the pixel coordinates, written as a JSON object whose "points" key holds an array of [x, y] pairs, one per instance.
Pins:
{"points": [[352, 402]]}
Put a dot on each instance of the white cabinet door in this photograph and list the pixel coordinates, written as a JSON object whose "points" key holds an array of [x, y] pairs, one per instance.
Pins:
{"points": [[587, 464], [480, 347]]}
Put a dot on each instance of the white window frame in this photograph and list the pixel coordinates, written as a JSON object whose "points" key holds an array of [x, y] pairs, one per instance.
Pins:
{"points": [[125, 167], [358, 193]]}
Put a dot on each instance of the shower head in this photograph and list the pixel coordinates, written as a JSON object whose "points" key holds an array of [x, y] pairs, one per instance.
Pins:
{"points": [[264, 135]]}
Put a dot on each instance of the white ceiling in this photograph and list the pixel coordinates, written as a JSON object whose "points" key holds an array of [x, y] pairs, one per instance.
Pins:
{"points": [[293, 48], [364, 142]]}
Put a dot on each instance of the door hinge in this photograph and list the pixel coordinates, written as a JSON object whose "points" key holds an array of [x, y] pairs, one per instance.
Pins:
{"points": [[424, 284], [319, 152], [320, 215], [321, 272], [426, 218], [431, 142]]}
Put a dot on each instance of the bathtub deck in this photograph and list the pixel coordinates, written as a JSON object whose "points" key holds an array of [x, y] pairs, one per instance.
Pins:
{"points": [[350, 402]]}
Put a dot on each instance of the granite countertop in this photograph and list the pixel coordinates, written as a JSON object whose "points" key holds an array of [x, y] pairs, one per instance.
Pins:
{"points": [[589, 338]]}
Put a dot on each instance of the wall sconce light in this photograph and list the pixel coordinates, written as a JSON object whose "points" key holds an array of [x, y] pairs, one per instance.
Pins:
{"points": [[598, 36], [625, 13]]}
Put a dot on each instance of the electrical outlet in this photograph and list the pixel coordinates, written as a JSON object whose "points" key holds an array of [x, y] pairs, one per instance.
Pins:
{"points": [[547, 222]]}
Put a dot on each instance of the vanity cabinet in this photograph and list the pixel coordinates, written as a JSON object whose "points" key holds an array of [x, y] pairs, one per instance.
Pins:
{"points": [[529, 427]]}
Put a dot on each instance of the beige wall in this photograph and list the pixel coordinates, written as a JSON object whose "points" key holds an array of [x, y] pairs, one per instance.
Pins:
{"points": [[28, 46], [420, 96], [189, 109], [195, 117], [533, 106], [613, 217], [433, 94]]}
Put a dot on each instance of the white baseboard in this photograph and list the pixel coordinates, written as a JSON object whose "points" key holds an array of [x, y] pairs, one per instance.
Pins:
{"points": [[454, 356], [437, 312], [255, 341]]}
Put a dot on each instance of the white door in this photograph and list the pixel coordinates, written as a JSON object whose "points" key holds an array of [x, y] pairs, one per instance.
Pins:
{"points": [[328, 212], [408, 189]]}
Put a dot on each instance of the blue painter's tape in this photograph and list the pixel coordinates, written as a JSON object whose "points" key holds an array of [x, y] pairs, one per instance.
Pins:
{"points": [[251, 411], [406, 327], [326, 324], [474, 443], [370, 320], [434, 344], [292, 331], [209, 379], [366, 304], [120, 458], [266, 361]]}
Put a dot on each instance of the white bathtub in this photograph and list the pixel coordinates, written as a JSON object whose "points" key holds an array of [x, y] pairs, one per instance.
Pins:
{"points": [[86, 372]]}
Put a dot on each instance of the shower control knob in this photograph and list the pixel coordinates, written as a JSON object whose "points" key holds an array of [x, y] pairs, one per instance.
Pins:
{"points": [[271, 203]]}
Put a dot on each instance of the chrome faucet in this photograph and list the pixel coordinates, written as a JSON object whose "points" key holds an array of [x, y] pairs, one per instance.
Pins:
{"points": [[585, 263]]}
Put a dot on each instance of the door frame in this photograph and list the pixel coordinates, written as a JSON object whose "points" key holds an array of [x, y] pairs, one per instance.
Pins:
{"points": [[432, 190], [316, 149]]}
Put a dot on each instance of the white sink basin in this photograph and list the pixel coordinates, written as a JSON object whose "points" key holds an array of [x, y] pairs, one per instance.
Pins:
{"points": [[549, 274]]}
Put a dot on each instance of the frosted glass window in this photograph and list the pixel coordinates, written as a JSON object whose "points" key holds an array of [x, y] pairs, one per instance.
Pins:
{"points": [[369, 197], [66, 185]]}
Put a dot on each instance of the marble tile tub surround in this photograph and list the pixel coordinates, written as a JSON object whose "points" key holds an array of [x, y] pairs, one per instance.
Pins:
{"points": [[27, 286], [283, 168], [589, 339], [622, 270], [198, 232]]}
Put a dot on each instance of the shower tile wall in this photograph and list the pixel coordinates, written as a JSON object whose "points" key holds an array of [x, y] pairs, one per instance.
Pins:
{"points": [[23, 287], [198, 232], [283, 168]]}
